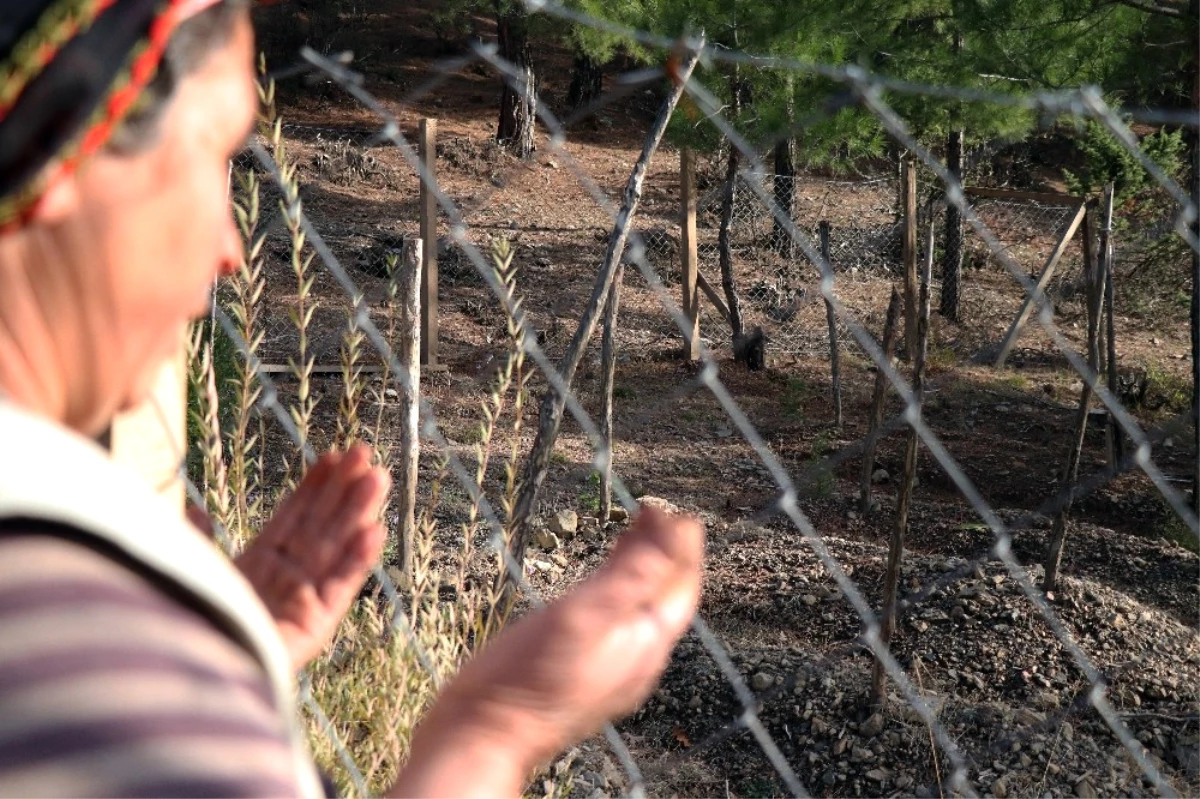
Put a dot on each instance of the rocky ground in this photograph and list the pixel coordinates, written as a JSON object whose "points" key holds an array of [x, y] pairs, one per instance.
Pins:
{"points": [[1001, 683]]}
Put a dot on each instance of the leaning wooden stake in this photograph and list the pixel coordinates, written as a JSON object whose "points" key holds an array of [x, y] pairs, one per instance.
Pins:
{"points": [[551, 412], [1027, 307], [891, 580], [831, 321], [408, 352], [876, 418], [1095, 273]]}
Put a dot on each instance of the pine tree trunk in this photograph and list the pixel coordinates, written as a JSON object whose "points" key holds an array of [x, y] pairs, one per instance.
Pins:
{"points": [[952, 258], [587, 81], [518, 104], [785, 194]]}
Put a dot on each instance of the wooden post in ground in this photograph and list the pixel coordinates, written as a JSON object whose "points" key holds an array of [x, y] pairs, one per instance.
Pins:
{"points": [[876, 418], [891, 579], [427, 152], [1095, 275], [909, 252], [1014, 330], [689, 261], [608, 373], [1116, 440], [151, 439], [408, 352], [831, 322]]}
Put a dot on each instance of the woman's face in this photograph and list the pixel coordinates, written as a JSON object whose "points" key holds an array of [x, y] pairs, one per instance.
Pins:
{"points": [[162, 232]]}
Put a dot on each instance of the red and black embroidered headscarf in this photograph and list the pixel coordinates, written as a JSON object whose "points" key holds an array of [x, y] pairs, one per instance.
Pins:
{"points": [[70, 71]]}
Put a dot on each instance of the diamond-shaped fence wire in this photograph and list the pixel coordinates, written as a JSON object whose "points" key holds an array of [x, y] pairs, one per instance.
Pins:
{"points": [[994, 686]]}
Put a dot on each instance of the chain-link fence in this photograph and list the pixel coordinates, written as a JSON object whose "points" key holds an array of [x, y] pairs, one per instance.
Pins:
{"points": [[997, 686]]}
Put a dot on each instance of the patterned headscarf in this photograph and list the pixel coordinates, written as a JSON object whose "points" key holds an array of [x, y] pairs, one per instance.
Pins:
{"points": [[70, 71]]}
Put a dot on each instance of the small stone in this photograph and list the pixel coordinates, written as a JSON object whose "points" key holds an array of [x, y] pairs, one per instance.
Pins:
{"points": [[872, 726], [829, 777], [543, 566], [808, 599], [999, 789], [761, 681], [558, 559], [880, 476], [1084, 790], [695, 702], [618, 514], [819, 727], [391, 393], [903, 781], [859, 753], [1068, 732], [565, 523], [879, 775], [723, 432], [546, 540], [1026, 762], [840, 746]]}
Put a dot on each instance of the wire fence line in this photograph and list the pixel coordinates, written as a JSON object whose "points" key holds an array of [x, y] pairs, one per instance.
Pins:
{"points": [[771, 293]]}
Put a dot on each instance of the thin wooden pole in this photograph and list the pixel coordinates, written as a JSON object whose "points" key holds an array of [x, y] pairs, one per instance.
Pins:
{"points": [[831, 322], [891, 582], [876, 418], [427, 152], [688, 253], [1014, 330], [1116, 442], [608, 367], [1095, 273], [408, 293], [909, 251]]}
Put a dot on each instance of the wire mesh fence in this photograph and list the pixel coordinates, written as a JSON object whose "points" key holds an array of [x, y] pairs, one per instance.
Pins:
{"points": [[993, 679]]}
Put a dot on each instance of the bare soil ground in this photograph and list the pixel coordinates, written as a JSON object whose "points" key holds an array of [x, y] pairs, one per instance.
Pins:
{"points": [[1001, 681]]}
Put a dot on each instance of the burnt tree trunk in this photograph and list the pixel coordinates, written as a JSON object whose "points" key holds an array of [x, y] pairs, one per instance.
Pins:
{"points": [[587, 81], [952, 257], [518, 103]]}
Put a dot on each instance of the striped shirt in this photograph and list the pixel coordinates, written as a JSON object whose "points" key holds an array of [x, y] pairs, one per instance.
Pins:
{"points": [[114, 683]]}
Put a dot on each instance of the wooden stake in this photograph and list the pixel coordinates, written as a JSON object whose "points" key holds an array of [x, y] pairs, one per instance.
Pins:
{"points": [[891, 581], [608, 367], [688, 254], [427, 152], [831, 322], [408, 349], [1095, 273], [909, 252], [876, 418], [1116, 441]]}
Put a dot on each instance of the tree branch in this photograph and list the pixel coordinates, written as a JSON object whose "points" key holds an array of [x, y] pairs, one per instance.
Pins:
{"points": [[1152, 7]]}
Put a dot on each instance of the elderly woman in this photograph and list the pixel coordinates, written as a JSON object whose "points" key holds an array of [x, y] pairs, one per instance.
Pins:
{"points": [[135, 660]]}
